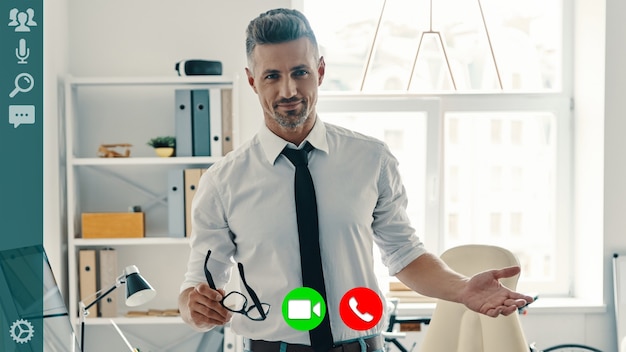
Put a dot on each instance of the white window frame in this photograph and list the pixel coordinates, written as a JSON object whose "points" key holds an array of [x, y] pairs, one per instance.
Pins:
{"points": [[435, 107], [579, 226]]}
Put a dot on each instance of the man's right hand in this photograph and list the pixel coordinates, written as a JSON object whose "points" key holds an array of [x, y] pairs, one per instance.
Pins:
{"points": [[200, 307]]}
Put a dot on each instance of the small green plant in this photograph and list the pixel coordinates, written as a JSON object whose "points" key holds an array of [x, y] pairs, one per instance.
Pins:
{"points": [[164, 141]]}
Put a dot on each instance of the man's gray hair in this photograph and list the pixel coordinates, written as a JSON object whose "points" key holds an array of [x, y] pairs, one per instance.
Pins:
{"points": [[278, 26]]}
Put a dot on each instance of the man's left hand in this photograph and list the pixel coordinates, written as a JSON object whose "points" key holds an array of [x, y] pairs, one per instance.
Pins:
{"points": [[485, 294]]}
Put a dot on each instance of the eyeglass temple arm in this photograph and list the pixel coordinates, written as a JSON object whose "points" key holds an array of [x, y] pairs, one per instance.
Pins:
{"points": [[255, 298], [207, 273]]}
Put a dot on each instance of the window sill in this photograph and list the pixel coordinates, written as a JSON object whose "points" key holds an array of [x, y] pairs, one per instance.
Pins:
{"points": [[547, 305], [567, 305]]}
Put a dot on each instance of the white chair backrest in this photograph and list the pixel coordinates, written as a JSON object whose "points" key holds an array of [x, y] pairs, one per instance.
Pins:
{"points": [[474, 258], [454, 328]]}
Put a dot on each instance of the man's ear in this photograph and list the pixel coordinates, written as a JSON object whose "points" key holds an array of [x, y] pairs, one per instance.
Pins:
{"points": [[321, 69], [250, 79]]}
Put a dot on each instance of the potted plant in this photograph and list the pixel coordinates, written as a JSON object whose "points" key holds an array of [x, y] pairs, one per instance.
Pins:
{"points": [[164, 146]]}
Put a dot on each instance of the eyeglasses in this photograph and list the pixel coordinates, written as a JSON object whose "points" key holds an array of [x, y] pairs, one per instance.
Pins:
{"points": [[237, 302]]}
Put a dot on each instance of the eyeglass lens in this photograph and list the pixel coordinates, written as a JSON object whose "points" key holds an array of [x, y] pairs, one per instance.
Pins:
{"points": [[235, 301], [238, 303]]}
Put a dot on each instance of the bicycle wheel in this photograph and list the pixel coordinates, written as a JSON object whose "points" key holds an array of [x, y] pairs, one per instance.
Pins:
{"points": [[571, 347]]}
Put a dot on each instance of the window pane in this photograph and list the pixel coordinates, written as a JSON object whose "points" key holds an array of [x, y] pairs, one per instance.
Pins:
{"points": [[502, 191], [501, 173], [465, 45]]}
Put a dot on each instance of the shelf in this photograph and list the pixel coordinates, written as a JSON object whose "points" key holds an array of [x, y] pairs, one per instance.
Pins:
{"points": [[134, 321], [147, 81], [86, 242], [193, 160], [95, 110]]}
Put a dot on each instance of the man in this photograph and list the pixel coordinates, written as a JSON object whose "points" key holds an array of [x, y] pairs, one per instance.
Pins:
{"points": [[244, 210]]}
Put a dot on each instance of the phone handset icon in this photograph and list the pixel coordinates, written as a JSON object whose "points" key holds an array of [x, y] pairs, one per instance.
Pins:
{"points": [[366, 317]]}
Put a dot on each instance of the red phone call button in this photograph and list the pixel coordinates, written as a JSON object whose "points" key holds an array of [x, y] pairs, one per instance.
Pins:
{"points": [[361, 308]]}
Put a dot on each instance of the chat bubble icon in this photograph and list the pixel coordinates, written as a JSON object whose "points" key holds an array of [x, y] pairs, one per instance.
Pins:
{"points": [[21, 115]]}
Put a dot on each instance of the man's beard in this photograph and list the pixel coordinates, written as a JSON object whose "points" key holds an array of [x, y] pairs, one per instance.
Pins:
{"points": [[293, 118]]}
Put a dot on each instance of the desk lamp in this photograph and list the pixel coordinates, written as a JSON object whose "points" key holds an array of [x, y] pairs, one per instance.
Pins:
{"points": [[138, 292]]}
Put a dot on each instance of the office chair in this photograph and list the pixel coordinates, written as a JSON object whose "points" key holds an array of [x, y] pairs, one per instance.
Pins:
{"points": [[454, 328]]}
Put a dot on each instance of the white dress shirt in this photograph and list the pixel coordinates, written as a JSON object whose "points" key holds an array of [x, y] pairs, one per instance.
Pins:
{"points": [[244, 210]]}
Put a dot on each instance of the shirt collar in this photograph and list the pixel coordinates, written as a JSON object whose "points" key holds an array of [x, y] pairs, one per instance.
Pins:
{"points": [[272, 144]]}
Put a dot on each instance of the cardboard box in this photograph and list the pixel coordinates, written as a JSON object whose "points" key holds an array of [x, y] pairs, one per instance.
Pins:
{"points": [[113, 225]]}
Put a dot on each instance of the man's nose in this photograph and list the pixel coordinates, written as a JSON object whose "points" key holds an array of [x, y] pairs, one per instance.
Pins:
{"points": [[288, 88]]}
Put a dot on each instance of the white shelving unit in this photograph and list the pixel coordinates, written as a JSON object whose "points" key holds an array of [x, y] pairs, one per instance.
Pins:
{"points": [[106, 110]]}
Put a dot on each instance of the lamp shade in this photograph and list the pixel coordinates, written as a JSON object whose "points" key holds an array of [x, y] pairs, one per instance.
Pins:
{"points": [[138, 290]]}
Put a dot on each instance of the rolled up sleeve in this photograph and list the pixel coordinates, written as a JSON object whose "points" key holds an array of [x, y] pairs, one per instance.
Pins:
{"points": [[393, 233]]}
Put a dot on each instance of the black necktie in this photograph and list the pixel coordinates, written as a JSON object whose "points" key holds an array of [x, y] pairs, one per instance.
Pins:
{"points": [[308, 233]]}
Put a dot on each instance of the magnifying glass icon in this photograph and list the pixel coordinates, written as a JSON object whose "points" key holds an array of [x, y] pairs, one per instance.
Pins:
{"points": [[24, 83]]}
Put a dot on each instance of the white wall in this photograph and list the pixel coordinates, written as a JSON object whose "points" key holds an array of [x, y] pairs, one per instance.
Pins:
{"points": [[614, 143], [143, 37], [139, 38], [55, 65]]}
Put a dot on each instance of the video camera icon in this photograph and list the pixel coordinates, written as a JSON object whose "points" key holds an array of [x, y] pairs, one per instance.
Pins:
{"points": [[303, 308], [300, 309]]}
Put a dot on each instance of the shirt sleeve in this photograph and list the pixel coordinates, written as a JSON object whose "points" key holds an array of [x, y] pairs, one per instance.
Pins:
{"points": [[209, 232], [393, 233]]}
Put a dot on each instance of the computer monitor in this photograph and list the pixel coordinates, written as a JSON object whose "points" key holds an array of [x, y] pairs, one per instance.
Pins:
{"points": [[33, 315]]}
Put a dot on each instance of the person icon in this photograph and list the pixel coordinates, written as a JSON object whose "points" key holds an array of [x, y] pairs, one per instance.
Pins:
{"points": [[13, 17], [31, 18], [22, 21]]}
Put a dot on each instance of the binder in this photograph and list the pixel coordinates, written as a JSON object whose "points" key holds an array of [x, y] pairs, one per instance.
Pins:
{"points": [[201, 130], [183, 122], [192, 176], [108, 274], [227, 120], [176, 203], [87, 279], [215, 120]]}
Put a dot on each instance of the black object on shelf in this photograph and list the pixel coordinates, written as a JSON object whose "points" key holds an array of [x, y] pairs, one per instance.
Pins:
{"points": [[198, 67]]}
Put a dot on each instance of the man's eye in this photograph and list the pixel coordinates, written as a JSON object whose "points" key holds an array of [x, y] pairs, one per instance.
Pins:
{"points": [[271, 76], [301, 73]]}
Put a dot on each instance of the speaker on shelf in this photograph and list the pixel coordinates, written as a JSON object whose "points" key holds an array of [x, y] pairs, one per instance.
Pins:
{"points": [[198, 67]]}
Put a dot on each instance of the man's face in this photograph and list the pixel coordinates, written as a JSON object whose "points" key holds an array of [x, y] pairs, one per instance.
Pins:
{"points": [[286, 76]]}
